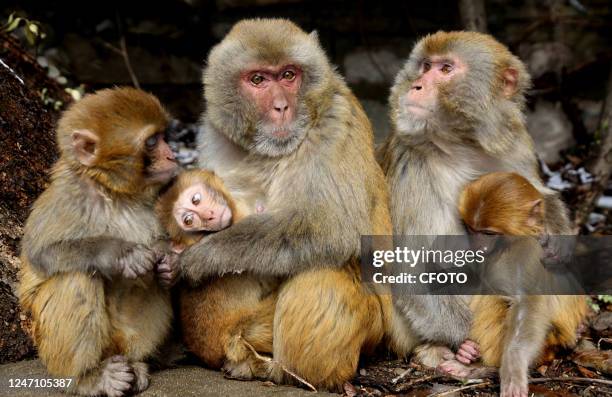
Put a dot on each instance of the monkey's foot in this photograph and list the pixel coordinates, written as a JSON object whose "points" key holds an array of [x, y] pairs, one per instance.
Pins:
{"points": [[454, 368], [468, 352], [238, 370], [459, 370], [432, 355], [117, 377], [141, 372], [514, 388]]}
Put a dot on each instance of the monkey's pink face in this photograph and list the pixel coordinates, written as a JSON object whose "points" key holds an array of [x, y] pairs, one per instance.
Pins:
{"points": [[274, 92], [421, 100], [200, 209]]}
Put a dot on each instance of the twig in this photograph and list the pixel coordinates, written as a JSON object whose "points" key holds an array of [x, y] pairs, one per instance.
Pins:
{"points": [[125, 55], [453, 391], [270, 360], [571, 379], [401, 376], [409, 385]]}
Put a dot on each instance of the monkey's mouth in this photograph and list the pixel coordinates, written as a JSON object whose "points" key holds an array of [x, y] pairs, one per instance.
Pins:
{"points": [[281, 133]]}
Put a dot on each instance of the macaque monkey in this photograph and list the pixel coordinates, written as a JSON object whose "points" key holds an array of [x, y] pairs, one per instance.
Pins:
{"points": [[457, 113], [279, 118], [223, 319], [94, 276], [512, 331]]}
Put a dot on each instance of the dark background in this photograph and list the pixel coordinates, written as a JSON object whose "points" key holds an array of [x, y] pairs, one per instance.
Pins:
{"points": [[566, 45]]}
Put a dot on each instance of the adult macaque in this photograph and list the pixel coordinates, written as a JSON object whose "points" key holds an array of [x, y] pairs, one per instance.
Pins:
{"points": [[512, 331], [223, 319], [91, 265], [280, 119], [457, 112]]}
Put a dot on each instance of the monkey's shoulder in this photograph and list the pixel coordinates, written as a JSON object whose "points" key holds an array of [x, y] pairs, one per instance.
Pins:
{"points": [[69, 211]]}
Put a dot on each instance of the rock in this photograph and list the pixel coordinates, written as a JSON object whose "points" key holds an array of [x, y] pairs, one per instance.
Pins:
{"points": [[602, 322], [181, 381], [542, 58], [377, 66], [550, 129], [379, 117], [591, 113], [26, 154]]}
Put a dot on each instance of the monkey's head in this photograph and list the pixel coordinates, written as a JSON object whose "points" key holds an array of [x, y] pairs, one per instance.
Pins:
{"points": [[195, 203], [115, 137], [502, 203], [264, 85], [460, 85]]}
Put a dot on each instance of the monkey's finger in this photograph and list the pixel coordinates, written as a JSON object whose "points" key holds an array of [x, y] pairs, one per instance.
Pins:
{"points": [[463, 359], [471, 348]]}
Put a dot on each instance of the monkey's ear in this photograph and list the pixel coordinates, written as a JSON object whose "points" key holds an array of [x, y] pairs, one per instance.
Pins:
{"points": [[314, 35], [85, 145], [536, 213], [510, 76]]}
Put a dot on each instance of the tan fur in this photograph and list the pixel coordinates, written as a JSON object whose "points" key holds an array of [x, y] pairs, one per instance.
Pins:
{"points": [[219, 316], [82, 318], [514, 332], [504, 201], [320, 198], [477, 126]]}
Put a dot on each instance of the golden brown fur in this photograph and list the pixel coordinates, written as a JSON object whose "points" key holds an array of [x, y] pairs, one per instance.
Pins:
{"points": [[514, 332], [476, 125], [323, 191], [90, 322], [220, 315]]}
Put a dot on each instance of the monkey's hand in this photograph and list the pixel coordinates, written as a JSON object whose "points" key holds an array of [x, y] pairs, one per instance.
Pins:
{"points": [[558, 251], [167, 267], [136, 261], [468, 352]]}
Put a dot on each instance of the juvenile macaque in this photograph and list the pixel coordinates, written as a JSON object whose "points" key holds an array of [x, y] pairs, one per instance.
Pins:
{"points": [[457, 113], [91, 262], [218, 317], [514, 331], [279, 117]]}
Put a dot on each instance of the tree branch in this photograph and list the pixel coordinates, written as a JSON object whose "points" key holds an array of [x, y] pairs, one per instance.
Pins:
{"points": [[602, 163]]}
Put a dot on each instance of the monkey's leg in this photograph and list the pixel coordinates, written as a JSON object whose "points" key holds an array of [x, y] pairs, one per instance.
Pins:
{"points": [[216, 316], [140, 316], [73, 333], [528, 324], [324, 319], [253, 332]]}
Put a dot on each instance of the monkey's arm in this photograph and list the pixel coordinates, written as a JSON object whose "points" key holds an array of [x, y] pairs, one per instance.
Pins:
{"points": [[108, 256], [276, 244]]}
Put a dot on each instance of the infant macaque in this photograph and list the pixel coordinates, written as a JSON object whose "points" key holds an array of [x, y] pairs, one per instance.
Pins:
{"points": [[196, 203]]}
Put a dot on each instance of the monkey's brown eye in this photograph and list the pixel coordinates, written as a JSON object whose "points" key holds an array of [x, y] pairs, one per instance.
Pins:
{"points": [[257, 79], [188, 219], [151, 142], [446, 68], [289, 75], [426, 66], [195, 200]]}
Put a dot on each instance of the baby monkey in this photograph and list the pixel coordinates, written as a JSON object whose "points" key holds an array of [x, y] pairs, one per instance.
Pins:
{"points": [[197, 203], [512, 332], [220, 320]]}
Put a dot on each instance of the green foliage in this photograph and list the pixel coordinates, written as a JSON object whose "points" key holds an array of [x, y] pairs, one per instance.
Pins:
{"points": [[31, 28]]}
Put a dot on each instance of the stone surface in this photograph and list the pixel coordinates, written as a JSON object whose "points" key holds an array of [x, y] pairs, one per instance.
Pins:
{"points": [[182, 381], [550, 129]]}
